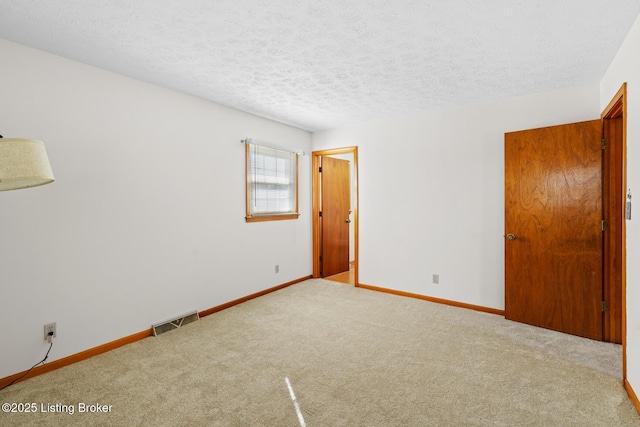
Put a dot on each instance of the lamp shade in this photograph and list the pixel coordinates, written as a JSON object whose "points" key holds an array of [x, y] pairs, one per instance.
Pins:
{"points": [[23, 163]]}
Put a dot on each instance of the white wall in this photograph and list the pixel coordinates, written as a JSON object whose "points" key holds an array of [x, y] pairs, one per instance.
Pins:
{"points": [[146, 218], [626, 68], [431, 191]]}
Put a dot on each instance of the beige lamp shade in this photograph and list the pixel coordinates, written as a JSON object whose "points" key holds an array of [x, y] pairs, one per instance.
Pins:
{"points": [[23, 163]]}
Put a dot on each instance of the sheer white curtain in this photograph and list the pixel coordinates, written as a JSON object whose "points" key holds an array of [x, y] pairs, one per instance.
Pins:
{"points": [[272, 179]]}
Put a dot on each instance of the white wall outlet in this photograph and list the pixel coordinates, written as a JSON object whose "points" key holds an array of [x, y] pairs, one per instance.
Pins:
{"points": [[436, 278], [48, 328], [277, 268]]}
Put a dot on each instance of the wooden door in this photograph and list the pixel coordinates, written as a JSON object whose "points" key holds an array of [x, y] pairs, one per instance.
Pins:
{"points": [[336, 204], [553, 228]]}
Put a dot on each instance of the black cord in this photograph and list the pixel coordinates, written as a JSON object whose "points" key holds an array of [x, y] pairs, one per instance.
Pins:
{"points": [[26, 373]]}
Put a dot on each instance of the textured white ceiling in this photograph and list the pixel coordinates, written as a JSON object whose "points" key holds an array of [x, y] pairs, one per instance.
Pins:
{"points": [[324, 64]]}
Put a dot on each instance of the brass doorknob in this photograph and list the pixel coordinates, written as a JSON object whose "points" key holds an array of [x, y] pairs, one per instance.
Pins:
{"points": [[511, 236], [348, 221]]}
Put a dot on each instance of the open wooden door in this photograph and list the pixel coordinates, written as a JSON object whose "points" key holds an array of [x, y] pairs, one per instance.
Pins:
{"points": [[553, 228], [335, 208]]}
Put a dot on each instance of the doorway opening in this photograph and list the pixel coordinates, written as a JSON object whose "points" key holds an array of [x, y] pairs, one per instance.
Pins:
{"points": [[323, 229], [605, 301]]}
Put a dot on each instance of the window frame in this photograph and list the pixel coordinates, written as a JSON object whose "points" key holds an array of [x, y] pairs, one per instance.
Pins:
{"points": [[249, 217]]}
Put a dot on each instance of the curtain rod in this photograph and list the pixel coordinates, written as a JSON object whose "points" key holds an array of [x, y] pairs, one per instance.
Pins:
{"points": [[271, 145]]}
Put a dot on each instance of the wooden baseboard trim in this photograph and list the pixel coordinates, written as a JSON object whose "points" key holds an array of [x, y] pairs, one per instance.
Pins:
{"points": [[432, 299], [632, 395], [69, 360], [250, 297]]}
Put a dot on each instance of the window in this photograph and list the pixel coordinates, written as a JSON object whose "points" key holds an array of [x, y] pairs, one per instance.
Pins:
{"points": [[272, 184]]}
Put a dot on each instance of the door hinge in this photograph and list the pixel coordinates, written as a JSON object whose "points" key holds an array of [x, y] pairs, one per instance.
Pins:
{"points": [[605, 225], [605, 143], [605, 306], [320, 169], [320, 214]]}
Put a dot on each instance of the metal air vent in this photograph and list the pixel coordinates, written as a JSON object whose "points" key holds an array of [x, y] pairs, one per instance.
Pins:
{"points": [[175, 323]]}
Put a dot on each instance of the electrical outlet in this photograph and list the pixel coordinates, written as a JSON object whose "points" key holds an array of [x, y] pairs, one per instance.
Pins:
{"points": [[277, 268], [436, 278], [48, 328]]}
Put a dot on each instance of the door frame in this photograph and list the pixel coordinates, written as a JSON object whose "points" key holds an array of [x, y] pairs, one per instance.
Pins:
{"points": [[316, 203], [615, 265]]}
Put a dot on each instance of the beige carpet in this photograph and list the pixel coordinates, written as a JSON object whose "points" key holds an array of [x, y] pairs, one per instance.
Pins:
{"points": [[353, 357]]}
